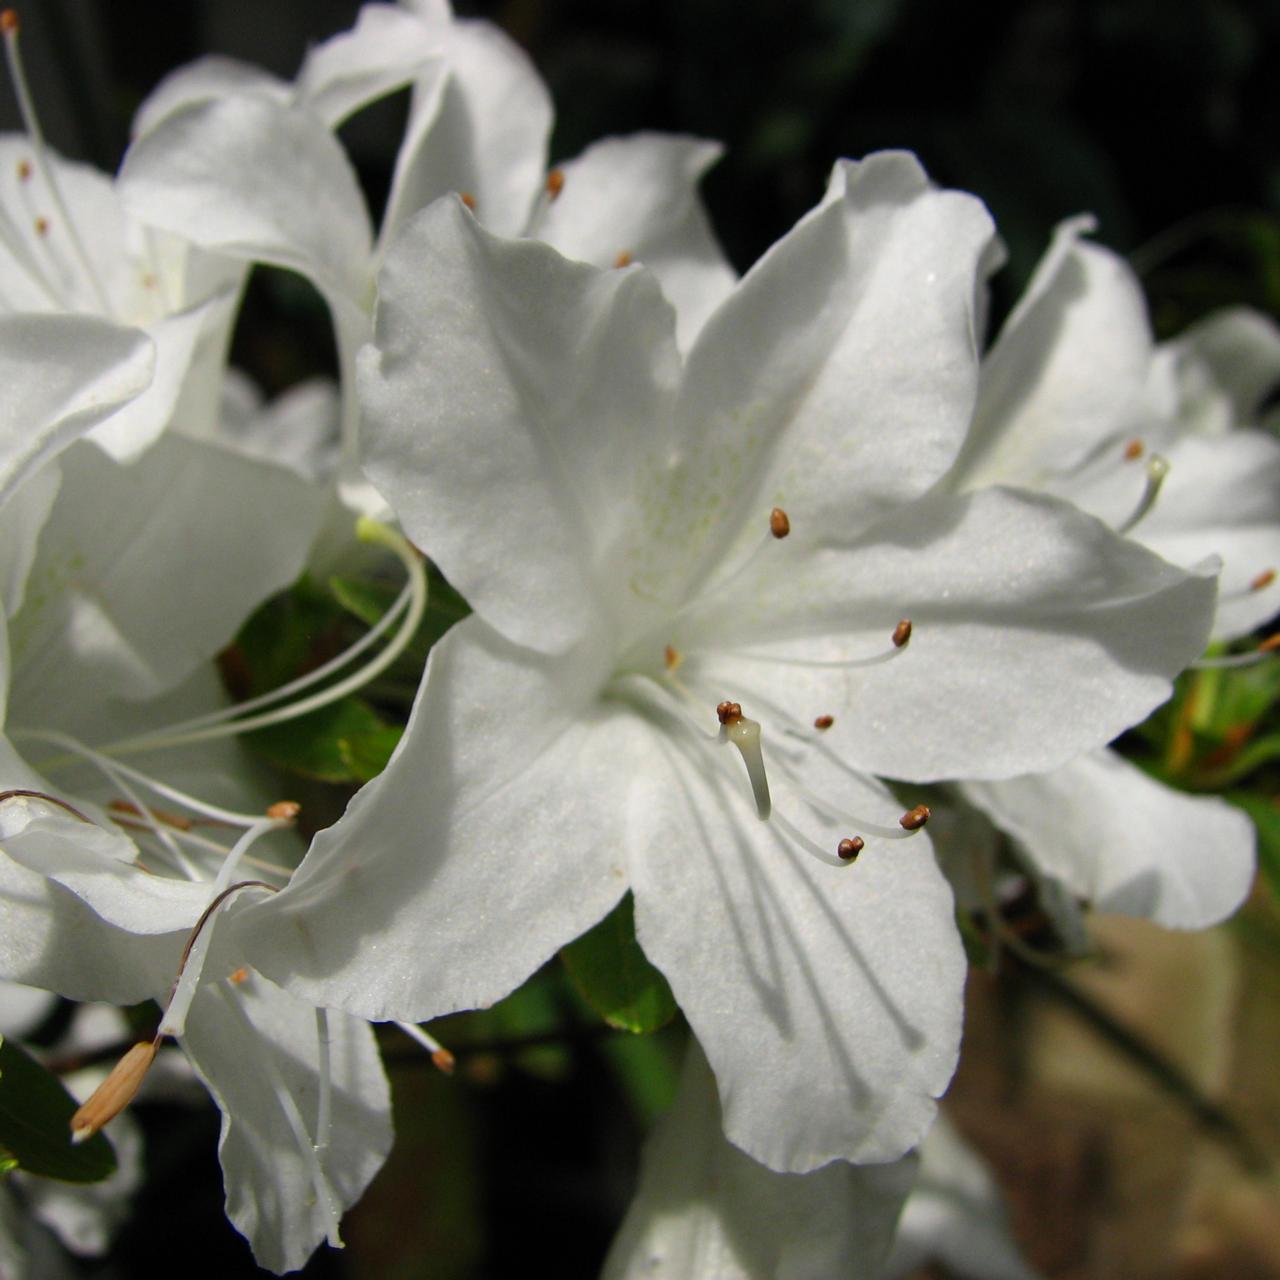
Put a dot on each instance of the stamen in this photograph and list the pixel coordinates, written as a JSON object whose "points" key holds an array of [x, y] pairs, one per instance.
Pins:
{"points": [[671, 657], [824, 722], [1157, 470], [1264, 650], [779, 524], [1134, 450], [42, 226], [1263, 580], [115, 1093], [900, 638], [555, 183], [239, 976], [745, 735], [441, 1058], [48, 799], [9, 26], [624, 259], [468, 199], [849, 848], [915, 818], [191, 963], [227, 721], [24, 170], [306, 1146], [324, 1099]]}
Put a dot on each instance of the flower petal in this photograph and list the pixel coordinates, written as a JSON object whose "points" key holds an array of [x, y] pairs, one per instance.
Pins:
{"points": [[836, 988], [481, 130], [704, 1209], [62, 375], [1038, 634], [205, 80], [1067, 371], [507, 407], [638, 196], [839, 377], [492, 838], [1124, 842], [271, 1197]]}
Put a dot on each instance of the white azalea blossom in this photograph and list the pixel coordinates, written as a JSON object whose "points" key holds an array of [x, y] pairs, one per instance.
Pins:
{"points": [[1076, 400], [605, 505], [140, 575], [704, 1209]]}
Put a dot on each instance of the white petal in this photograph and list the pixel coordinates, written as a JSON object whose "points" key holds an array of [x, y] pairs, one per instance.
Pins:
{"points": [[146, 571], [62, 376], [1237, 351], [508, 406], [837, 989], [1124, 842], [1067, 372], [838, 379], [386, 49], [704, 1209], [954, 1215], [271, 1198], [482, 130], [1038, 634], [204, 80], [638, 196], [258, 181], [21, 520], [494, 837]]}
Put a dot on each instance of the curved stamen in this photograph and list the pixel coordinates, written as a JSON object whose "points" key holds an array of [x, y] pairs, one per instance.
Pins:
{"points": [[1266, 649], [745, 735], [226, 722], [900, 639], [9, 27], [441, 1058], [1157, 470], [1259, 582], [45, 796]]}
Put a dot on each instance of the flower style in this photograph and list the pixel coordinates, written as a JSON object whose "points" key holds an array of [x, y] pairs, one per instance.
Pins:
{"points": [[605, 507], [1076, 400], [704, 1209], [109, 638]]}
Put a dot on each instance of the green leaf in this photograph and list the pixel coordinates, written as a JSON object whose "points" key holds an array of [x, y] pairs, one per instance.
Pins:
{"points": [[1266, 817], [35, 1123], [616, 978], [347, 741]]}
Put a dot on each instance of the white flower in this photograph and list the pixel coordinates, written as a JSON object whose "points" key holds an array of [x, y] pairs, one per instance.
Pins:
{"points": [[140, 574], [605, 507], [1076, 400], [704, 1209], [67, 246]]}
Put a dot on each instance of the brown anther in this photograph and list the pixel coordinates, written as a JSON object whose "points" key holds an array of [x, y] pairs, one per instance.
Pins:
{"points": [[24, 171], [9, 23], [115, 1093], [175, 820], [849, 848], [468, 199], [779, 525], [1134, 450], [555, 183], [149, 280], [240, 975], [902, 633], [284, 810], [824, 722], [623, 259], [729, 712], [915, 818], [42, 226], [1263, 580], [671, 656], [1270, 644], [444, 1061]]}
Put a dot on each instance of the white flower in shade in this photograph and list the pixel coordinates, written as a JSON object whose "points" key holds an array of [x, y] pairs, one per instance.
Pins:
{"points": [[67, 245], [1158, 441], [140, 574], [704, 1209], [606, 507], [246, 165]]}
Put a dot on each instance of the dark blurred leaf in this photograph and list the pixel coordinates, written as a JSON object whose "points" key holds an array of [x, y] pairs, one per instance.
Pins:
{"points": [[345, 742], [35, 1123], [616, 978]]}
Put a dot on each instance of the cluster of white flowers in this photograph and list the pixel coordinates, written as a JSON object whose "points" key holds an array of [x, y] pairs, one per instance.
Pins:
{"points": [[811, 514]]}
